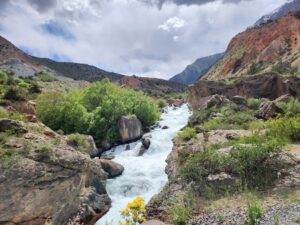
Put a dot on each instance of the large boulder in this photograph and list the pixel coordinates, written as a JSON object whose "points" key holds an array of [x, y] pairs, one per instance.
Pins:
{"points": [[92, 150], [12, 125], [239, 100], [267, 109], [112, 168], [130, 128]]}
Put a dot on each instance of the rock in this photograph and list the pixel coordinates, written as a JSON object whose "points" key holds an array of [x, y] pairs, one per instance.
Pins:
{"points": [[146, 142], [283, 98], [127, 148], [199, 129], [92, 150], [107, 157], [216, 100], [178, 103], [267, 109], [239, 100], [31, 118], [165, 127], [112, 168], [50, 133], [105, 145], [145, 145], [130, 128], [68, 189], [219, 177], [153, 222], [269, 85], [8, 124], [24, 107]]}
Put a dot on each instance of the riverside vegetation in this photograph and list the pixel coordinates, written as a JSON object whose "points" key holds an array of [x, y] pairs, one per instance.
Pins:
{"points": [[247, 155]]}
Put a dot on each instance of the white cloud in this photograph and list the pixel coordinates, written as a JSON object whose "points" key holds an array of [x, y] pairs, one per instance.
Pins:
{"points": [[123, 35], [173, 23]]}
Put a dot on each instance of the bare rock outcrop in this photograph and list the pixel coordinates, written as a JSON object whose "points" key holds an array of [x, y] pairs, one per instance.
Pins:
{"points": [[267, 109], [269, 86], [130, 128], [45, 179], [112, 168]]}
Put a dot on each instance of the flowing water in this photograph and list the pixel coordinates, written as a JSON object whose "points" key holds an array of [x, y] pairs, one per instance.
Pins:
{"points": [[145, 175]]}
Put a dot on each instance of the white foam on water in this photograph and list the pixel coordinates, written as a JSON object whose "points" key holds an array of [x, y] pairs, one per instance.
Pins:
{"points": [[143, 175]]}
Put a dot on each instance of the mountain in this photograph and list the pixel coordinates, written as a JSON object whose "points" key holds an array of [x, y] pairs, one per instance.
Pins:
{"points": [[289, 6], [196, 70], [78, 71], [271, 47], [18, 63]]}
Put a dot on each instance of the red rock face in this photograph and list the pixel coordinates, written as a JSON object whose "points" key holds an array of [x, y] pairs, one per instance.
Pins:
{"points": [[266, 44]]}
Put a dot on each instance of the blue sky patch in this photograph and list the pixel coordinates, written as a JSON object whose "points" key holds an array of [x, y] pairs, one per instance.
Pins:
{"points": [[55, 29]]}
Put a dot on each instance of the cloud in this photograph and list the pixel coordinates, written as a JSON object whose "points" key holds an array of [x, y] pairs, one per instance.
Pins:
{"points": [[173, 23], [43, 5], [123, 35]]}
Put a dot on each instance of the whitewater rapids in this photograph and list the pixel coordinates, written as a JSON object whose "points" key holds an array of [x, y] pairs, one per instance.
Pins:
{"points": [[145, 175]]}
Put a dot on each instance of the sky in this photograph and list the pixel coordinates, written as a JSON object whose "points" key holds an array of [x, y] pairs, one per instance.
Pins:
{"points": [[155, 38]]}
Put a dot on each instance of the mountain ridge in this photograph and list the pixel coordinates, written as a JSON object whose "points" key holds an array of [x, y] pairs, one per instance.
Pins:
{"points": [[197, 69]]}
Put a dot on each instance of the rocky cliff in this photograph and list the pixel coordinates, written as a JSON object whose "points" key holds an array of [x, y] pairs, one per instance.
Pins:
{"points": [[273, 46], [43, 178]]}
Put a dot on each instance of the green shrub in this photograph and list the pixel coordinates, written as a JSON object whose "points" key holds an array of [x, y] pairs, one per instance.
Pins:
{"points": [[187, 134], [180, 212], [257, 160], [297, 220], [95, 110], [254, 212], [15, 94], [79, 141], [162, 103], [200, 116], [45, 151], [45, 77], [253, 103], [291, 108]]}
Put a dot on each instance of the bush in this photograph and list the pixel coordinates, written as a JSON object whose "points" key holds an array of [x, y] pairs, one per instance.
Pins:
{"points": [[95, 110], [187, 134], [257, 160], [292, 107], [15, 94], [134, 213], [180, 212], [162, 103], [45, 151], [45, 77], [254, 212], [79, 141], [200, 116]]}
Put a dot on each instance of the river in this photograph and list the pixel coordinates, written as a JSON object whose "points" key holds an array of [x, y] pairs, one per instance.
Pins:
{"points": [[145, 175]]}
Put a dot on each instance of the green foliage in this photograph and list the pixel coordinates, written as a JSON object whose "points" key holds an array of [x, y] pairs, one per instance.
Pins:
{"points": [[162, 103], [253, 103], [257, 160], [95, 110], [180, 212], [45, 151], [15, 93], [285, 128], [297, 220], [45, 77], [187, 134], [254, 212], [79, 141], [230, 117], [201, 116], [291, 107], [255, 68]]}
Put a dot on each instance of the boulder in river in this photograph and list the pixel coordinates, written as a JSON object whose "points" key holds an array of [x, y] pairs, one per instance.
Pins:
{"points": [[145, 145], [130, 128], [112, 168]]}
